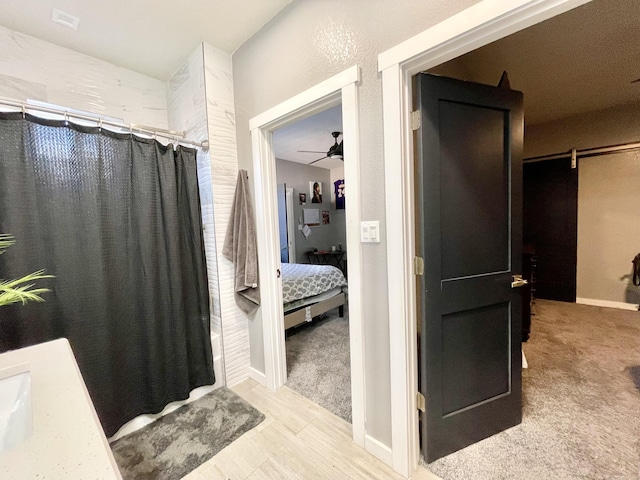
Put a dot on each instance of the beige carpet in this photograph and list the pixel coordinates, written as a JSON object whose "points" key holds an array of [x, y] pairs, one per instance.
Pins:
{"points": [[581, 405]]}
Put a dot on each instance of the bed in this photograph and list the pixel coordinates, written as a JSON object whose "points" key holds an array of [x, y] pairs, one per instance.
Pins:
{"points": [[311, 290]]}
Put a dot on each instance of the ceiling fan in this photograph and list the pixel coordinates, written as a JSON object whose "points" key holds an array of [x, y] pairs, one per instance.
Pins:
{"points": [[334, 152]]}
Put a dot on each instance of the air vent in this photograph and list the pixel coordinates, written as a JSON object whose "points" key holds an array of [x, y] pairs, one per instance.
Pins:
{"points": [[65, 19]]}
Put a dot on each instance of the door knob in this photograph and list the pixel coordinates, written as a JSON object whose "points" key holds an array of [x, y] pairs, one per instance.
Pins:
{"points": [[518, 281]]}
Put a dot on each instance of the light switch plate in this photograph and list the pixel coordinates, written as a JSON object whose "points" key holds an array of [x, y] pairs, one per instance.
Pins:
{"points": [[370, 232]]}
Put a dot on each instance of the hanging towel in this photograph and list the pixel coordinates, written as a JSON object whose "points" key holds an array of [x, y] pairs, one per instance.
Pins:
{"points": [[240, 247]]}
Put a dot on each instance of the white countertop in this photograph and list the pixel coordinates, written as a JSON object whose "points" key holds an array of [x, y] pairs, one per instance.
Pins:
{"points": [[67, 441]]}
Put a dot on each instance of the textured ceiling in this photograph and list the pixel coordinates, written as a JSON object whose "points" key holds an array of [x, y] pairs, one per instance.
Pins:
{"points": [[583, 60], [149, 36], [312, 133]]}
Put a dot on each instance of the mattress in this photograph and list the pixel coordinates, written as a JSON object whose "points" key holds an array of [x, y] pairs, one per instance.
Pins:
{"points": [[303, 302], [303, 280]]}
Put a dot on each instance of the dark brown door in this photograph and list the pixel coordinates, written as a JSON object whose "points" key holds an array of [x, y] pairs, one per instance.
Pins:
{"points": [[469, 232], [550, 226]]}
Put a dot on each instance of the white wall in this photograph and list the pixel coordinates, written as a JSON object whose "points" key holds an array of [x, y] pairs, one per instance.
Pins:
{"points": [[608, 198], [308, 42], [38, 70]]}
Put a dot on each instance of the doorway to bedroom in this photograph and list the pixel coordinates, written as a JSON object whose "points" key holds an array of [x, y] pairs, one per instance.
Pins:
{"points": [[312, 228]]}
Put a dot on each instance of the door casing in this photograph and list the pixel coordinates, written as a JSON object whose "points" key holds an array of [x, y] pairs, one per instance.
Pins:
{"points": [[479, 25], [291, 225], [339, 89]]}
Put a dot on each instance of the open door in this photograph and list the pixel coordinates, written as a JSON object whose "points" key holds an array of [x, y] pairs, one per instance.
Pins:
{"points": [[469, 233]]}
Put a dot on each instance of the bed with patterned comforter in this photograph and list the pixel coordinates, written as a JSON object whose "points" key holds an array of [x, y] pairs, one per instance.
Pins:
{"points": [[304, 284]]}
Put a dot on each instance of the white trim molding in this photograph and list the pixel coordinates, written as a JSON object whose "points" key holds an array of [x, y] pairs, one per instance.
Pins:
{"points": [[257, 376], [378, 449], [480, 24], [339, 89], [607, 303]]}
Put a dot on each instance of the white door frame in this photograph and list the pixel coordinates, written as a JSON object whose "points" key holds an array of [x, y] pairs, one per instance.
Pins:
{"points": [[341, 88], [291, 225], [483, 23]]}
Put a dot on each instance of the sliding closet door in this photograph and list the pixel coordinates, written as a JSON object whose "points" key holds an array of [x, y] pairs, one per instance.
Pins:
{"points": [[550, 226]]}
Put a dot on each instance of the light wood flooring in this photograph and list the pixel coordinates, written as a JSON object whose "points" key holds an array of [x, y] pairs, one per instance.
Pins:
{"points": [[297, 440]]}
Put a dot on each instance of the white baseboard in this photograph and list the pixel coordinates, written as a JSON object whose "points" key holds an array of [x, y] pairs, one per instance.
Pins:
{"points": [[607, 303], [378, 450], [258, 376]]}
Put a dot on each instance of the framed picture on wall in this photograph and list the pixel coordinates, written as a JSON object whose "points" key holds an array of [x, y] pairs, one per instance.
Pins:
{"points": [[325, 217], [338, 186], [303, 198], [315, 189]]}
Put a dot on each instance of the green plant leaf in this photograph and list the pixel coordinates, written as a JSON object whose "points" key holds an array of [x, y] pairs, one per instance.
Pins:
{"points": [[5, 242], [20, 289]]}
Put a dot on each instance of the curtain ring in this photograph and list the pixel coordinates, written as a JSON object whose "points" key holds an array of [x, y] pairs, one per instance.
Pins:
{"points": [[100, 126], [24, 111], [66, 118]]}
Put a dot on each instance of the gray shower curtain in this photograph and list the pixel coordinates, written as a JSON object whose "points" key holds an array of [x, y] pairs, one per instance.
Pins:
{"points": [[116, 218]]}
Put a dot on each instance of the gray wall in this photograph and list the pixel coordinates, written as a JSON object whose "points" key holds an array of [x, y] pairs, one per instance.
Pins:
{"points": [[308, 42], [608, 197], [297, 176]]}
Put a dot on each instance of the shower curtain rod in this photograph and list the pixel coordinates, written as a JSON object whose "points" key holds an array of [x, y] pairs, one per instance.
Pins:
{"points": [[99, 121], [588, 152]]}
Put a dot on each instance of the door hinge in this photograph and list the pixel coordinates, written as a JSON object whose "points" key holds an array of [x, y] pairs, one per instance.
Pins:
{"points": [[418, 265], [574, 158], [421, 403], [416, 119]]}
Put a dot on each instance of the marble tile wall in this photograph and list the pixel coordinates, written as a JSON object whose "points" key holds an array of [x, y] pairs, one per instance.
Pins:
{"points": [[187, 110], [38, 70], [198, 99], [224, 168]]}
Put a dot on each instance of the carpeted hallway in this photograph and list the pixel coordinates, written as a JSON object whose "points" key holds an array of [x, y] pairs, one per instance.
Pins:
{"points": [[581, 402], [318, 364]]}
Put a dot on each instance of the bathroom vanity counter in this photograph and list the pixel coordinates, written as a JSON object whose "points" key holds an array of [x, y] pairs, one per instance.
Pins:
{"points": [[67, 440]]}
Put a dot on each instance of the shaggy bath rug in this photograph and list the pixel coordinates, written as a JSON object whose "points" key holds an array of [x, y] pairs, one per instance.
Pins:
{"points": [[581, 403], [179, 442]]}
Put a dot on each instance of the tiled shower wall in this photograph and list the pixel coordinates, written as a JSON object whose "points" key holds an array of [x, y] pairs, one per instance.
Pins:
{"points": [[38, 70], [200, 99], [224, 165], [186, 100], [196, 99]]}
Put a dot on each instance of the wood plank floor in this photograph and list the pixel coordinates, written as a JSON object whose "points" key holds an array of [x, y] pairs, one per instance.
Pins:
{"points": [[297, 440]]}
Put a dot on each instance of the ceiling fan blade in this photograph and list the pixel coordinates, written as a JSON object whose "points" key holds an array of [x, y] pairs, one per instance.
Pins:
{"points": [[322, 158], [310, 151]]}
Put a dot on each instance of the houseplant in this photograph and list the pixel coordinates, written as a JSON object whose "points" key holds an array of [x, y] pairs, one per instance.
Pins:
{"points": [[21, 289]]}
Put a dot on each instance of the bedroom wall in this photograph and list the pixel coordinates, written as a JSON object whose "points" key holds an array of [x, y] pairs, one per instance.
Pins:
{"points": [[322, 38], [38, 70], [297, 176], [608, 199]]}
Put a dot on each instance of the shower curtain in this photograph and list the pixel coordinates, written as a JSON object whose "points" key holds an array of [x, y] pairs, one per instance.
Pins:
{"points": [[116, 218]]}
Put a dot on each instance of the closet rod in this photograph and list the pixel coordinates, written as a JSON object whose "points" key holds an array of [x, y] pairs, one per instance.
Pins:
{"points": [[99, 121], [588, 152]]}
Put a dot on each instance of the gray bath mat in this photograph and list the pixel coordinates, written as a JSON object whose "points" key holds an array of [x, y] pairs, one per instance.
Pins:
{"points": [[181, 441]]}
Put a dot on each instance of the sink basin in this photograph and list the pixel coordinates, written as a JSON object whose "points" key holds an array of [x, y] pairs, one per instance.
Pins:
{"points": [[16, 416]]}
